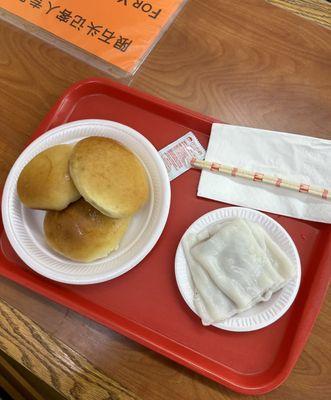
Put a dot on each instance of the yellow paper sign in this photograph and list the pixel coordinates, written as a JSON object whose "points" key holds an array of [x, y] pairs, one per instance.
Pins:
{"points": [[119, 31]]}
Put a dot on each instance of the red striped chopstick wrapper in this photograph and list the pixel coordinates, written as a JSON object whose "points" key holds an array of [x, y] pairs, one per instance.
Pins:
{"points": [[262, 178]]}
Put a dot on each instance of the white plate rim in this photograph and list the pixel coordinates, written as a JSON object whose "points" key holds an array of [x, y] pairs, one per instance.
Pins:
{"points": [[6, 197], [223, 214]]}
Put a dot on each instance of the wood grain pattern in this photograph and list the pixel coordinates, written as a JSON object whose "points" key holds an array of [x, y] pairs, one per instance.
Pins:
{"points": [[17, 387], [61, 367], [26, 384], [255, 65], [152, 377], [318, 11], [247, 63]]}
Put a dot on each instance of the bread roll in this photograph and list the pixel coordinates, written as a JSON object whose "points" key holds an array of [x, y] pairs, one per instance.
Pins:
{"points": [[82, 233], [109, 176], [45, 182]]}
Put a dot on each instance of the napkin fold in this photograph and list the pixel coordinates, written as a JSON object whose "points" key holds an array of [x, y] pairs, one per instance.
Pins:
{"points": [[297, 158]]}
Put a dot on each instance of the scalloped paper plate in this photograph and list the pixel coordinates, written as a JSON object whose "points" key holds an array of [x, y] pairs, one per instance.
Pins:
{"points": [[264, 313], [24, 227]]}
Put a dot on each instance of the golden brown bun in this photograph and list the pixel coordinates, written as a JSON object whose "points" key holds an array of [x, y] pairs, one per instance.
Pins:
{"points": [[82, 233], [109, 176], [45, 182]]}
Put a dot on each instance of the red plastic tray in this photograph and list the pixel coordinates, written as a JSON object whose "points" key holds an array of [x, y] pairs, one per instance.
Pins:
{"points": [[145, 304]]}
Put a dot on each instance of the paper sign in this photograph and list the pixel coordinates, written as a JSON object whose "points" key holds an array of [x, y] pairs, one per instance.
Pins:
{"points": [[119, 31], [177, 155]]}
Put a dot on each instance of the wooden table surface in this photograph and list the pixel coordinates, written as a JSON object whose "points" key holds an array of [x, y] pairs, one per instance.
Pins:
{"points": [[245, 62]]}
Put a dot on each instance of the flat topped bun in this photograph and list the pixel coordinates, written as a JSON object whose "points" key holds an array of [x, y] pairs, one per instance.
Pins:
{"points": [[82, 233], [109, 176], [45, 182]]}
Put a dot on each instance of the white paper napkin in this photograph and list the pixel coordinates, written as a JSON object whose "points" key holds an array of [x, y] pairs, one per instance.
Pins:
{"points": [[297, 158]]}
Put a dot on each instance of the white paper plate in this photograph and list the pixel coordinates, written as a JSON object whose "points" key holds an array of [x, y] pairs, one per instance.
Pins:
{"points": [[24, 226], [264, 313]]}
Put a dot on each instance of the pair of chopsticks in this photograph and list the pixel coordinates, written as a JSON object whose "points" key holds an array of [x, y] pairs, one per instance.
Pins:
{"points": [[262, 178]]}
